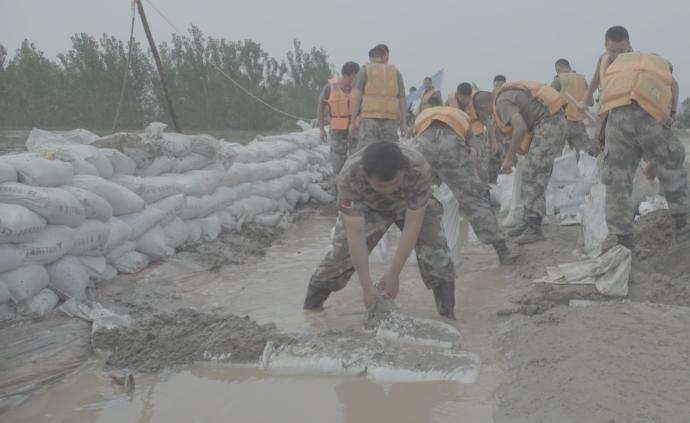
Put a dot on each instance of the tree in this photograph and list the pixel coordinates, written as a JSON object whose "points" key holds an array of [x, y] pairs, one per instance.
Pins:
{"points": [[683, 118]]}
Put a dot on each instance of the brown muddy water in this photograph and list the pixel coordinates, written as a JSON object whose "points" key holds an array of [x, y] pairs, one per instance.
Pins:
{"points": [[271, 289]]}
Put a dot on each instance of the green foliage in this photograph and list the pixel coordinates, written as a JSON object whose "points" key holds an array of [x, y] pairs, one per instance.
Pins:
{"points": [[82, 87], [683, 118]]}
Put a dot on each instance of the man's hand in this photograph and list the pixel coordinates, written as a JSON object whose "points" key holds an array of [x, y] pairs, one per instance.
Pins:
{"points": [[324, 136], [507, 166], [371, 295], [390, 284], [403, 131]]}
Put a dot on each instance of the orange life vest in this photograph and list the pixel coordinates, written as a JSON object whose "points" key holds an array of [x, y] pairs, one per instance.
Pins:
{"points": [[640, 77], [381, 94], [477, 125], [424, 103], [339, 105], [550, 98], [575, 85], [455, 118]]}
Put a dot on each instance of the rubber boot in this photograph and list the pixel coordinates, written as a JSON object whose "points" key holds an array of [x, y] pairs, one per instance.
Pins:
{"points": [[315, 298], [532, 232], [506, 255], [518, 230], [444, 295]]}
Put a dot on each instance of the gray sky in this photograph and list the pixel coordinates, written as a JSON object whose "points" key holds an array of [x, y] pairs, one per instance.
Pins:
{"points": [[473, 41]]}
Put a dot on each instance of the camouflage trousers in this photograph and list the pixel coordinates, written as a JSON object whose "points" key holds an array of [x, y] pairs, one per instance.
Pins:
{"points": [[433, 255], [450, 160], [547, 145], [376, 130], [481, 144], [496, 159], [578, 139], [342, 146], [632, 133]]}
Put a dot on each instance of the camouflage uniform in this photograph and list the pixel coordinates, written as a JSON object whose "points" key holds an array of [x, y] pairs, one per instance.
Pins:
{"points": [[376, 130], [496, 159], [631, 133], [481, 144], [341, 146], [380, 211], [450, 161]]}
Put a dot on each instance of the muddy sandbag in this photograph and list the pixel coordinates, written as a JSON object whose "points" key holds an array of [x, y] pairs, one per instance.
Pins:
{"points": [[25, 282], [56, 205], [249, 207], [7, 172], [120, 232], [131, 262], [122, 200], [152, 243], [172, 144], [205, 145], [119, 251], [90, 239], [158, 187], [95, 207], [39, 352], [131, 145], [210, 227], [172, 207], [80, 156], [192, 161], [68, 278], [40, 304], [19, 224], [176, 233], [142, 221], [122, 165], [54, 242], [161, 164], [32, 169]]}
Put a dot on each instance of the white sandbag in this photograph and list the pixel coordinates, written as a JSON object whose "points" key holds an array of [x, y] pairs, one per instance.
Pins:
{"points": [[11, 257], [7, 172], [122, 200], [227, 152], [205, 145], [56, 205], [131, 182], [120, 232], [154, 130], [158, 187], [79, 136], [90, 239], [227, 220], [176, 233], [201, 182], [171, 207], [131, 145], [198, 207], [192, 161], [95, 207], [174, 145], [594, 229], [152, 243], [25, 282], [503, 190], [247, 208], [68, 278], [119, 251], [210, 228], [40, 304], [643, 187], [97, 268], [4, 293], [194, 229], [450, 221], [565, 170], [142, 221], [304, 198], [159, 165], [271, 220], [320, 196], [292, 197], [19, 224], [122, 165], [81, 156], [131, 262], [588, 170], [237, 174], [32, 169], [54, 242]]}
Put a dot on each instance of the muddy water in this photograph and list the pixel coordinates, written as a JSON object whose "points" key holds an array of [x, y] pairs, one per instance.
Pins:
{"points": [[271, 289]]}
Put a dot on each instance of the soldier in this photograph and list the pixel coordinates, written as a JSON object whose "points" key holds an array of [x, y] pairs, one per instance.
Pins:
{"points": [[639, 97], [379, 99], [532, 113], [499, 80], [428, 93], [567, 81], [381, 185], [442, 135], [336, 97], [496, 159]]}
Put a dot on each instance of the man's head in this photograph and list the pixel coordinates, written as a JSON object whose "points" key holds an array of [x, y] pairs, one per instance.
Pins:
{"points": [[562, 66], [617, 41], [435, 99], [386, 50], [499, 80], [427, 83], [377, 55], [413, 89], [383, 164], [483, 103], [464, 94], [349, 73]]}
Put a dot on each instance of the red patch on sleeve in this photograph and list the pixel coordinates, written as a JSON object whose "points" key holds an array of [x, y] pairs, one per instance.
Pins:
{"points": [[346, 204]]}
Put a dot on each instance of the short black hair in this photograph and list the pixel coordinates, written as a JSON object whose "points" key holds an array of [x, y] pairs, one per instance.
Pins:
{"points": [[435, 99], [413, 88], [349, 68], [499, 78], [383, 47], [483, 99], [563, 62], [617, 34], [383, 160], [465, 88], [377, 52], [427, 78]]}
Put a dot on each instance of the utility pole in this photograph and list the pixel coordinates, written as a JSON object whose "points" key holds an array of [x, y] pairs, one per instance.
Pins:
{"points": [[159, 65]]}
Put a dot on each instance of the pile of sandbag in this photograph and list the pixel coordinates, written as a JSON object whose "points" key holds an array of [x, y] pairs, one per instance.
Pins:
{"points": [[77, 209]]}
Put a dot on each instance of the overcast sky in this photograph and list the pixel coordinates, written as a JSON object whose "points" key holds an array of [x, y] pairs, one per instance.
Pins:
{"points": [[473, 41]]}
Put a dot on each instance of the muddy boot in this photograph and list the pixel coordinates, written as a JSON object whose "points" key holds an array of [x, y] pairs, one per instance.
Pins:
{"points": [[518, 230], [315, 298], [444, 296], [612, 240], [506, 255], [680, 222], [532, 232]]}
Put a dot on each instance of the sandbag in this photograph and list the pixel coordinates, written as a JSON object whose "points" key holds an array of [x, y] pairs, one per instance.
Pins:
{"points": [[198, 207], [142, 221], [119, 251], [95, 207], [90, 239], [194, 229], [205, 145], [54, 242], [192, 161], [271, 220], [132, 183], [19, 224], [40, 304], [68, 278], [152, 244], [131, 262], [56, 205], [32, 169], [159, 165], [4, 293], [227, 220], [81, 156], [122, 200], [210, 228], [120, 232], [25, 282], [173, 144], [201, 182], [319, 195], [11, 257], [565, 170], [158, 187], [171, 207], [594, 229], [131, 145], [176, 233], [97, 268], [7, 172], [227, 152], [122, 165]]}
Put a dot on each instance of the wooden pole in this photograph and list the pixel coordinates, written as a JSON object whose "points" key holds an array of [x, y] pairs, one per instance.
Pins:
{"points": [[159, 65]]}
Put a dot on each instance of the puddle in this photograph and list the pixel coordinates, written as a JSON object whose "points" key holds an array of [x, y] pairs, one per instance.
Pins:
{"points": [[271, 289]]}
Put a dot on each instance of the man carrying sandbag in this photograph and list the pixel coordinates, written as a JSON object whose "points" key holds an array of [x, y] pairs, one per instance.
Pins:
{"points": [[381, 185]]}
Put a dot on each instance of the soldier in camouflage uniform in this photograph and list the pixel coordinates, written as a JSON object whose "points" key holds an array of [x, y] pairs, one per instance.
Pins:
{"points": [[386, 184], [449, 156]]}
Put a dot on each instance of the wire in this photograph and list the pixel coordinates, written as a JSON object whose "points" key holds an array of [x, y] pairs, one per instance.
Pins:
{"points": [[126, 75]]}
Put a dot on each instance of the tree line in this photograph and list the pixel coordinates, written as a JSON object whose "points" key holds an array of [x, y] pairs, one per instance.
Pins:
{"points": [[82, 87]]}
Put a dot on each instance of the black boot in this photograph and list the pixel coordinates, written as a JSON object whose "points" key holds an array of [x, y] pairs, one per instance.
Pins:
{"points": [[315, 297], [506, 255], [444, 295], [532, 232], [626, 240]]}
